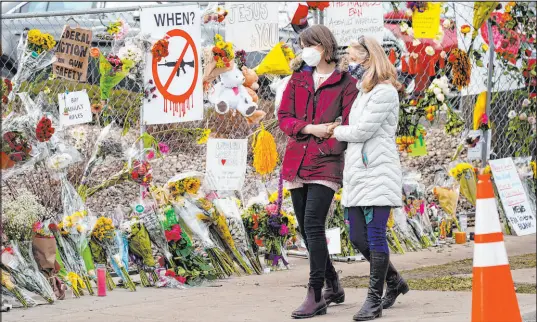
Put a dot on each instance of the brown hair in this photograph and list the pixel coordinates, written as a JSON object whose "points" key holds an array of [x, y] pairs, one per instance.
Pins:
{"points": [[379, 69], [320, 35]]}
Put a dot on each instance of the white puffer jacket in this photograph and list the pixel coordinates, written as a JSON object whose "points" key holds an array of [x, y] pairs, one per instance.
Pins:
{"points": [[372, 175]]}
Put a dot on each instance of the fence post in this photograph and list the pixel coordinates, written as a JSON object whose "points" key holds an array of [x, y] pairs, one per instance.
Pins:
{"points": [[485, 152]]}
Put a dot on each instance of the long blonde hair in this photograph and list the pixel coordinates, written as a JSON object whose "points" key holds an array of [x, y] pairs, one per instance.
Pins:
{"points": [[378, 68]]}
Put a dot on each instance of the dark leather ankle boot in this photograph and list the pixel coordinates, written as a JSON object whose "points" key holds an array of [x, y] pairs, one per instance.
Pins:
{"points": [[395, 285], [333, 292], [372, 307], [313, 305]]}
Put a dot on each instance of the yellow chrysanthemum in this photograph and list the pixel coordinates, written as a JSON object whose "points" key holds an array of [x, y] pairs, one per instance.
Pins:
{"points": [[273, 197], [218, 37], [220, 44], [204, 136], [34, 36], [220, 64]]}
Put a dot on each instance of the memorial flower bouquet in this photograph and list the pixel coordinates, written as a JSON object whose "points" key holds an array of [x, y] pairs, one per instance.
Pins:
{"points": [[113, 70], [446, 191], [160, 49], [465, 175], [277, 61], [34, 54], [104, 234], [415, 207], [6, 280], [337, 220], [190, 214], [140, 249], [7, 87], [148, 216]]}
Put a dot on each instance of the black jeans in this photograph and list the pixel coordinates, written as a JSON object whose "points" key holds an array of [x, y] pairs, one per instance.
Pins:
{"points": [[311, 204]]}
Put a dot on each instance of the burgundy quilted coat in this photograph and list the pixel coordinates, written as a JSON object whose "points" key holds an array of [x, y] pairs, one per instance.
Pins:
{"points": [[307, 156]]}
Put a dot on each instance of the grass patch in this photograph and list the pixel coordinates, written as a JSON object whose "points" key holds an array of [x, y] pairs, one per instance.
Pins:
{"points": [[442, 277]]}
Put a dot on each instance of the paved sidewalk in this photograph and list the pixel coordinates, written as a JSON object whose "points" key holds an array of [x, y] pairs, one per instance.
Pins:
{"points": [[272, 297]]}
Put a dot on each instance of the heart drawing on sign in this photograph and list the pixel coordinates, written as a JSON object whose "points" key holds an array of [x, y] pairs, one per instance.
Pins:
{"points": [[223, 161]]}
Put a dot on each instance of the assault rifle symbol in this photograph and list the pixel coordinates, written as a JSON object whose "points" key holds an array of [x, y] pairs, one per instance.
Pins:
{"points": [[181, 66]]}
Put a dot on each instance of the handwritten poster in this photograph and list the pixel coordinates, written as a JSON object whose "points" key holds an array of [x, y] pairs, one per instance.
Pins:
{"points": [[72, 54], [425, 24], [178, 95], [252, 26], [75, 108], [350, 20], [226, 163], [513, 196]]}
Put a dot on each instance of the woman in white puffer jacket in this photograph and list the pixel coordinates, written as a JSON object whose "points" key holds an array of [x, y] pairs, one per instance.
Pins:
{"points": [[372, 179]]}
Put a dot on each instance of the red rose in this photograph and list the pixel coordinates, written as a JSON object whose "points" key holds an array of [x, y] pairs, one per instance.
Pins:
{"points": [[181, 279], [53, 227], [170, 273]]}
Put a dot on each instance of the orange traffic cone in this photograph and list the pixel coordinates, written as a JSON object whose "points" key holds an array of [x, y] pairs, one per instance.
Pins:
{"points": [[493, 291]]}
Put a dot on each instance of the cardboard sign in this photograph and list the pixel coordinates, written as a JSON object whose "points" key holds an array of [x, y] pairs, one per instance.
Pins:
{"points": [[75, 108], [72, 54], [226, 163], [177, 77], [513, 196], [425, 24], [252, 26], [350, 20], [333, 240]]}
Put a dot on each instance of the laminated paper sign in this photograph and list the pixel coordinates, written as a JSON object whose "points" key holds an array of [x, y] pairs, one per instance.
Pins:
{"points": [[252, 26], [425, 24], [75, 108], [72, 54], [350, 20], [226, 163], [177, 77], [515, 202]]}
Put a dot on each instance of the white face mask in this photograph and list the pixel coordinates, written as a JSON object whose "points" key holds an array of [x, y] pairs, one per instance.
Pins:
{"points": [[311, 56]]}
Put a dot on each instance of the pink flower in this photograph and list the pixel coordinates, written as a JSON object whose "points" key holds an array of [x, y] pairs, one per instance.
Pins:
{"points": [[284, 230], [164, 148], [272, 209], [484, 119], [150, 155]]}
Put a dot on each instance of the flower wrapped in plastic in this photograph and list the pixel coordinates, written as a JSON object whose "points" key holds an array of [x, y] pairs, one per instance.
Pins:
{"points": [[140, 248], [527, 172], [277, 61], [465, 175], [404, 231], [147, 212], [113, 70], [23, 268], [229, 208], [8, 286], [415, 205], [34, 52], [187, 183], [446, 191], [104, 234], [189, 215]]}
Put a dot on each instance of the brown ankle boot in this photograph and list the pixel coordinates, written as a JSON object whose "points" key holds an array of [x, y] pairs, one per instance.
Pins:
{"points": [[313, 305], [333, 292]]}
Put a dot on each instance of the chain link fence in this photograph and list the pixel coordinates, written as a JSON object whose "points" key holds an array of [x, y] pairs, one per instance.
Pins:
{"points": [[126, 98]]}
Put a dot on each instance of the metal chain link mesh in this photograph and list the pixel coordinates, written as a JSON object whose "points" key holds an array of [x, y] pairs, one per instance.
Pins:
{"points": [[126, 98]]}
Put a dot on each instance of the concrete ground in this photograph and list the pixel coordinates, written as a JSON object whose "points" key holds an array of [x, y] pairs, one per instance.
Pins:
{"points": [[272, 297]]}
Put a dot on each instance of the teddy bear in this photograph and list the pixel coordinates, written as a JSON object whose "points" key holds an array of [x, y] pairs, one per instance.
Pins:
{"points": [[229, 93], [250, 82]]}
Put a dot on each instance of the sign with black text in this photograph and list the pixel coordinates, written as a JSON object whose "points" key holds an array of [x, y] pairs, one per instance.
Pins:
{"points": [[350, 20], [72, 54], [252, 26], [177, 76], [513, 196], [75, 108], [226, 163]]}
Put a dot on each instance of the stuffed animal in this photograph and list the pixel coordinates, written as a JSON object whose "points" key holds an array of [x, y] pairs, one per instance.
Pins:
{"points": [[250, 82], [230, 93]]}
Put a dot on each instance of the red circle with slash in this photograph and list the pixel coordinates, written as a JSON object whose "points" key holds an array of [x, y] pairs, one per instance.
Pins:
{"points": [[163, 88]]}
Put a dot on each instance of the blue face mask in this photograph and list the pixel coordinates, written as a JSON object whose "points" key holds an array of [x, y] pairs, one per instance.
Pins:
{"points": [[356, 70]]}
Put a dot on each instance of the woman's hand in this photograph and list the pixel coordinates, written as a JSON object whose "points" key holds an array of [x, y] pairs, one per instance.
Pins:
{"points": [[332, 127], [319, 130]]}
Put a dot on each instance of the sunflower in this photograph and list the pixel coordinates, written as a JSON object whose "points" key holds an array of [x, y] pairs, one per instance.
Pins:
{"points": [[192, 185]]}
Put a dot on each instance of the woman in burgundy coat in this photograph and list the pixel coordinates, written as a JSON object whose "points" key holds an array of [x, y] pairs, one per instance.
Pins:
{"points": [[316, 96]]}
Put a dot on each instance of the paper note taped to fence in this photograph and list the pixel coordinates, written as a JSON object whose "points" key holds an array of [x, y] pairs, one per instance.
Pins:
{"points": [[513, 196], [72, 54], [226, 163], [252, 26], [75, 108], [425, 24], [350, 20], [176, 77]]}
